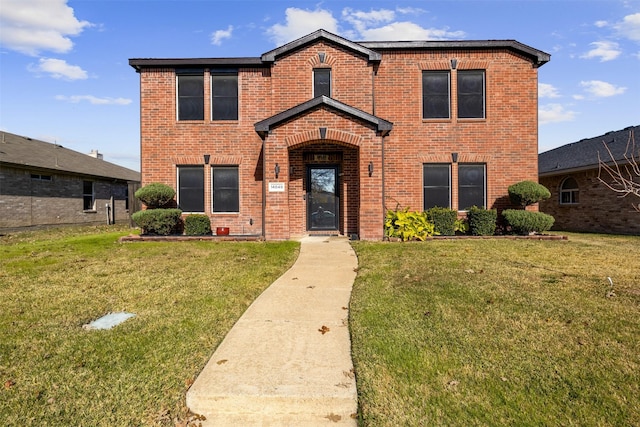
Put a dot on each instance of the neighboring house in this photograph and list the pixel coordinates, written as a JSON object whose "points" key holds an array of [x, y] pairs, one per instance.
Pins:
{"points": [[579, 200], [323, 134], [46, 184]]}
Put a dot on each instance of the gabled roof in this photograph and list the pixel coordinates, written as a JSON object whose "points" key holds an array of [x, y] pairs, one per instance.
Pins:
{"points": [[321, 35], [583, 155], [263, 127], [537, 57], [24, 152]]}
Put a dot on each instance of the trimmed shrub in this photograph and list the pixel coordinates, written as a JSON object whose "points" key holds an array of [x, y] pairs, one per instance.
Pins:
{"points": [[155, 195], [197, 225], [162, 222], [443, 219], [527, 193], [407, 225], [526, 222], [482, 222]]}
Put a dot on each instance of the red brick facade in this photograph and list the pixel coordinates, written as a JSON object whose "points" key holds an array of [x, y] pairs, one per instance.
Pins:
{"points": [[373, 134]]}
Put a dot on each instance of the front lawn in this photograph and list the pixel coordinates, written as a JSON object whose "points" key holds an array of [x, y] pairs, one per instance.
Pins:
{"points": [[498, 332], [185, 295]]}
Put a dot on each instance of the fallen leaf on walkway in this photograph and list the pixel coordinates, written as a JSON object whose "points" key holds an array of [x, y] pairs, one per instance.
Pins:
{"points": [[345, 308], [310, 287], [333, 417], [295, 278], [222, 362], [324, 330]]}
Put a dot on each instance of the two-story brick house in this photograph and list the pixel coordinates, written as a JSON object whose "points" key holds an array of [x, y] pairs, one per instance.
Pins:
{"points": [[324, 134]]}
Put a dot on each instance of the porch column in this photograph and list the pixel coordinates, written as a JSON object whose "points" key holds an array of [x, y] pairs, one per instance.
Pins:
{"points": [[276, 175]]}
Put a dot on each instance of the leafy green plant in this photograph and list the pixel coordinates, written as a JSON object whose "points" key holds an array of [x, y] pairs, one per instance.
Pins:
{"points": [[526, 222], [525, 193], [461, 226], [407, 225], [443, 219], [162, 222], [482, 222], [197, 225], [155, 195]]}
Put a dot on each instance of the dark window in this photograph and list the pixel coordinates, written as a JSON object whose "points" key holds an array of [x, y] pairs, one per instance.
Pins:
{"points": [[88, 201], [471, 94], [191, 188], [225, 189], [321, 82], [190, 95], [40, 177], [435, 95], [471, 186], [224, 95], [437, 186], [569, 192]]}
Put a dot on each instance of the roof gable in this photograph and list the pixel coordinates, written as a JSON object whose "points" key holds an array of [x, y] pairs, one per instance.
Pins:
{"points": [[583, 154], [263, 127], [321, 35], [25, 152]]}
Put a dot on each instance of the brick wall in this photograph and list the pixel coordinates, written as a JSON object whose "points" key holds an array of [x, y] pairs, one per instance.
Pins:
{"points": [[25, 201], [599, 210]]}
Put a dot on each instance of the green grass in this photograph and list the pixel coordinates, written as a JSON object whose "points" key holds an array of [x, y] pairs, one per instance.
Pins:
{"points": [[498, 332], [186, 296]]}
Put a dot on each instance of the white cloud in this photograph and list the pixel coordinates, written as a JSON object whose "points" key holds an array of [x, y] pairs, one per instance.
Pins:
{"points": [[601, 24], [600, 89], [31, 26], [546, 90], [94, 100], [604, 50], [59, 69], [218, 36], [554, 113], [300, 22], [629, 27]]}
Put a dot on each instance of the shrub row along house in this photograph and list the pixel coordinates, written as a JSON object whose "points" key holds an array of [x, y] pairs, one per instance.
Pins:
{"points": [[46, 184], [579, 200], [323, 134]]}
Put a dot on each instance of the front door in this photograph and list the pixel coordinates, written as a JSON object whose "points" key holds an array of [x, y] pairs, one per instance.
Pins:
{"points": [[322, 198]]}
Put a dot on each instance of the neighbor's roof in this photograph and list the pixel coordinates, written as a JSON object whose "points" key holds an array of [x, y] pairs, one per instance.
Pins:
{"points": [[21, 151], [583, 155], [366, 48]]}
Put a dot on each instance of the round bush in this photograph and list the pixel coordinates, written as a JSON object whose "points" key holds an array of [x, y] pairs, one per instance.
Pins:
{"points": [[482, 222], [527, 193], [155, 195], [162, 222], [527, 222], [197, 225]]}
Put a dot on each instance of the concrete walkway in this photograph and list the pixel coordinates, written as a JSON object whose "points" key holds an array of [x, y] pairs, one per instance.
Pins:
{"points": [[287, 361]]}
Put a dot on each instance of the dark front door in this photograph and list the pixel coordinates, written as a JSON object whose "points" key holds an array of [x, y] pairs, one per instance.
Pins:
{"points": [[322, 198]]}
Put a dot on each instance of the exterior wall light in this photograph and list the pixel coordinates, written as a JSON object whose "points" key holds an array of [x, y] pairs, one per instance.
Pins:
{"points": [[206, 159], [277, 170], [370, 168], [454, 63], [454, 157]]}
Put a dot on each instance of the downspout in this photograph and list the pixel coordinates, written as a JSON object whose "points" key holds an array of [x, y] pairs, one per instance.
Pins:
{"points": [[264, 186], [383, 190]]}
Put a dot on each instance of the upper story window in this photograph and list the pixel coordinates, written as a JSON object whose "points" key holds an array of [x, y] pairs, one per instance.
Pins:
{"points": [[569, 192], [40, 177], [224, 95], [436, 91], [471, 94], [190, 94], [191, 188], [321, 82], [471, 186]]}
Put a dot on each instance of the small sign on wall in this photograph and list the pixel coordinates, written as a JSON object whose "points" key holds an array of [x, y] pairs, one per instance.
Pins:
{"points": [[276, 187]]}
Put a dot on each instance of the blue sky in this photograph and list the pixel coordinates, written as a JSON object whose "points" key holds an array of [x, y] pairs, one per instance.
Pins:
{"points": [[65, 78]]}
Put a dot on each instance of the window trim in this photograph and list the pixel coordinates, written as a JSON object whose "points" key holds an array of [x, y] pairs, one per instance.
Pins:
{"points": [[484, 93], [179, 188], [224, 72], [424, 186], [574, 193], [213, 188], [484, 184], [188, 73], [424, 94]]}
